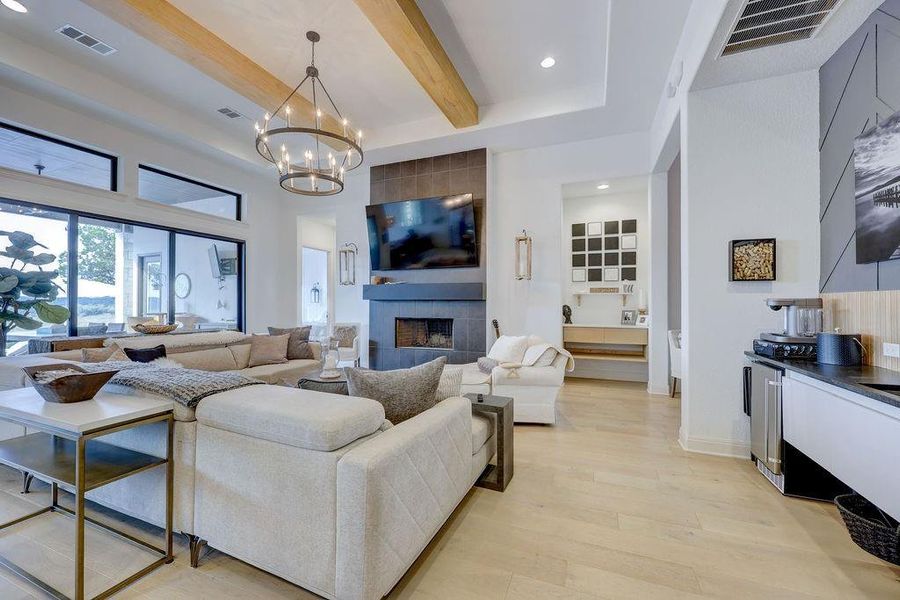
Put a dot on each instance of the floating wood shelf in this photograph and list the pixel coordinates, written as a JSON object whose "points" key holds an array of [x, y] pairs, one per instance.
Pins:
{"points": [[613, 344], [609, 357], [624, 295]]}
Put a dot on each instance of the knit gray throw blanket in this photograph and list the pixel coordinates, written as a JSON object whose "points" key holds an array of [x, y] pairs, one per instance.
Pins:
{"points": [[186, 386]]}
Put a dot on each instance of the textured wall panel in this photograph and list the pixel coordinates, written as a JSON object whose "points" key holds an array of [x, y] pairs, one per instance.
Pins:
{"points": [[859, 86]]}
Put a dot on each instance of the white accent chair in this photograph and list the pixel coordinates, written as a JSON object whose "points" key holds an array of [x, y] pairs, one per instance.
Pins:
{"points": [[348, 351], [533, 388], [674, 358]]}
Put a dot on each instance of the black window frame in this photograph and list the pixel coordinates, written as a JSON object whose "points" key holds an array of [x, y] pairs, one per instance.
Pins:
{"points": [[72, 249], [113, 160], [238, 197]]}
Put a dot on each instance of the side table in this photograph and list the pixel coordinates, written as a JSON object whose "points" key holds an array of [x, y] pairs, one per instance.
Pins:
{"points": [[65, 452], [317, 383], [497, 477]]}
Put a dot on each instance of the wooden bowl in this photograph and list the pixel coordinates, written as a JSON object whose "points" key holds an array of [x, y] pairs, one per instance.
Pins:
{"points": [[154, 328], [68, 388]]}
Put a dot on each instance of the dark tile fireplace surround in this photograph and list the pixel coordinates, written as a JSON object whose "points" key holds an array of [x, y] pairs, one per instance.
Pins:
{"points": [[408, 327], [438, 312]]}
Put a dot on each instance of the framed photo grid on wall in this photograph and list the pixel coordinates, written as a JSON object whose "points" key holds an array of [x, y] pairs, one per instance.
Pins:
{"points": [[604, 251]]}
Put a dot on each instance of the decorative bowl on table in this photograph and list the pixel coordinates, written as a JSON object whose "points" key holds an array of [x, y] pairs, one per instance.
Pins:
{"points": [[154, 328], [65, 382]]}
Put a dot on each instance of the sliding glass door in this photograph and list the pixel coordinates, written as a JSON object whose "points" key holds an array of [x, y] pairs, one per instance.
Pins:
{"points": [[207, 283], [114, 274]]}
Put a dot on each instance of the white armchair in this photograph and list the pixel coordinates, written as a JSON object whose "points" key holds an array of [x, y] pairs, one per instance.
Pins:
{"points": [[674, 357], [347, 337], [534, 387]]}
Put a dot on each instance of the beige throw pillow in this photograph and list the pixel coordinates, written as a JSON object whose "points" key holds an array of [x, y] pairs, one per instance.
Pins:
{"points": [[96, 355], [298, 344], [450, 383], [268, 349]]}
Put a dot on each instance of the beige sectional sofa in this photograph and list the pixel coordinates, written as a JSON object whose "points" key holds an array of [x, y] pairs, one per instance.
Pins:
{"points": [[316, 488]]}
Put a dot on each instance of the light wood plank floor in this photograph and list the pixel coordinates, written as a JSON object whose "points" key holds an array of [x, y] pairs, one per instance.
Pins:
{"points": [[604, 505]]}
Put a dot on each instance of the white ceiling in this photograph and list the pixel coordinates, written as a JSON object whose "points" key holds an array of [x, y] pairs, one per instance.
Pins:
{"points": [[621, 185], [612, 59]]}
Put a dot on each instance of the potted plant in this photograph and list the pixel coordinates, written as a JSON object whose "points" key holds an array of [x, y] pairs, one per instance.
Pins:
{"points": [[26, 289]]}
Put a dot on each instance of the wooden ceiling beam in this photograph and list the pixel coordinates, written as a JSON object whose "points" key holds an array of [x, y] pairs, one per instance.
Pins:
{"points": [[405, 29], [169, 28]]}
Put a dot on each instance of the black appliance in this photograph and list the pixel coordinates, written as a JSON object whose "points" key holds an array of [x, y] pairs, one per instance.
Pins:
{"points": [[841, 349], [429, 233], [781, 350]]}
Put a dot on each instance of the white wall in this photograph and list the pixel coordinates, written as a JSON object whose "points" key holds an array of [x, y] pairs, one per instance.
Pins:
{"points": [[750, 169], [267, 291], [658, 294], [604, 311], [525, 192]]}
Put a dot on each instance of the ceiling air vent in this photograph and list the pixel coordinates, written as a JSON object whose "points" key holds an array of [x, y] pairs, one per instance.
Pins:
{"points": [[230, 113], [84, 39], [764, 23]]}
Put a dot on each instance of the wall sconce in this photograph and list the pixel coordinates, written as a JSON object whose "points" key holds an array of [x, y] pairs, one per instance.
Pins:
{"points": [[523, 256], [315, 294], [347, 264]]}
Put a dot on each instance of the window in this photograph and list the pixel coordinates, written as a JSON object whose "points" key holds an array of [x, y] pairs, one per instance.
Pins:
{"points": [[207, 276], [175, 190], [50, 229], [35, 153], [125, 272], [121, 275]]}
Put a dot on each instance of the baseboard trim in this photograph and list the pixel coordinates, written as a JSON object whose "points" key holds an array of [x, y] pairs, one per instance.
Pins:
{"points": [[714, 447], [658, 390]]}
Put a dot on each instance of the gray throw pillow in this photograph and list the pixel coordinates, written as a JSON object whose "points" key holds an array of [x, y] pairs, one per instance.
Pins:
{"points": [[298, 343], [404, 393]]}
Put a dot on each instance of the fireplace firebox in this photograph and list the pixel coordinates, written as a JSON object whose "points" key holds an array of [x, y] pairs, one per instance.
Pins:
{"points": [[435, 334]]}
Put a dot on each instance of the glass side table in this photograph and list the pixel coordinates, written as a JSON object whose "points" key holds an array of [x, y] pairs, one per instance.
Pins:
{"points": [[65, 452]]}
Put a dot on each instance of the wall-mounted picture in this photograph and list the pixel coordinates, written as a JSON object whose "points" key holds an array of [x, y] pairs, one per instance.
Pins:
{"points": [[629, 317], [611, 274], [579, 275], [751, 260], [629, 242], [877, 169], [595, 228]]}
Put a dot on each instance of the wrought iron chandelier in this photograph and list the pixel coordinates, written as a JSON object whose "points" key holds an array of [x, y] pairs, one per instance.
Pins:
{"points": [[311, 161]]}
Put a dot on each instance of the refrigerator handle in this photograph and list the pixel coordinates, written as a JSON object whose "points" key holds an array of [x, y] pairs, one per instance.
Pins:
{"points": [[748, 378]]}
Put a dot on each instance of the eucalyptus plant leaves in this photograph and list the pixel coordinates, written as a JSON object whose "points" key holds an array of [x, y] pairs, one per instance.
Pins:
{"points": [[27, 291]]}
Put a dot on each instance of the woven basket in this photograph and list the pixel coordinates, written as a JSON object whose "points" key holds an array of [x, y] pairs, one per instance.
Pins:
{"points": [[871, 529], [154, 328]]}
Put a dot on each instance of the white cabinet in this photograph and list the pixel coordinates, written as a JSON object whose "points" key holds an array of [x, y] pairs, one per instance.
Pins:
{"points": [[854, 437]]}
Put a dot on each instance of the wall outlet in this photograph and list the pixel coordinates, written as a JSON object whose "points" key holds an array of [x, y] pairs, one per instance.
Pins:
{"points": [[892, 350]]}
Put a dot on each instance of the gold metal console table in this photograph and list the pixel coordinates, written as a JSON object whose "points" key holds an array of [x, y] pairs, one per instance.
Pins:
{"points": [[66, 453]]}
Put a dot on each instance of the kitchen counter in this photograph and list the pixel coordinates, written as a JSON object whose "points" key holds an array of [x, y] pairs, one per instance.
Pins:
{"points": [[848, 378]]}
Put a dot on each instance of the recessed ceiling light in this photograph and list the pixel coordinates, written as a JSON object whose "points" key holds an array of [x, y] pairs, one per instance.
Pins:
{"points": [[546, 63], [603, 186], [14, 5]]}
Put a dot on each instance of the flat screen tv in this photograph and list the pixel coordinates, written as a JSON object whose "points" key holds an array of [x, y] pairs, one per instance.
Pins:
{"points": [[429, 233]]}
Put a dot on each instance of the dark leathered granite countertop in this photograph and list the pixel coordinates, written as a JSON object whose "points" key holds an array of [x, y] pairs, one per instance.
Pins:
{"points": [[848, 378]]}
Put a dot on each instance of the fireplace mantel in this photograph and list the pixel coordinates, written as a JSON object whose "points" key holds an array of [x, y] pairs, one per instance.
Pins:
{"points": [[424, 291]]}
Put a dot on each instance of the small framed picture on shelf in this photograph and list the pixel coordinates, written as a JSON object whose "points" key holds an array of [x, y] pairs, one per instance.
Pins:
{"points": [[629, 317], [643, 320]]}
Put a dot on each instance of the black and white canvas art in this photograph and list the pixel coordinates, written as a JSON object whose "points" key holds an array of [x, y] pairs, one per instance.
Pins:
{"points": [[877, 167]]}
